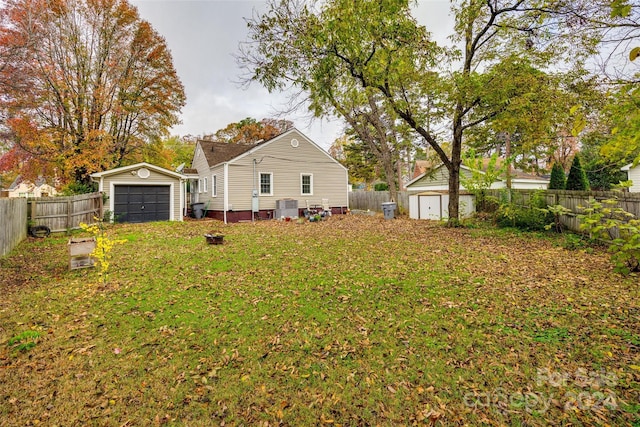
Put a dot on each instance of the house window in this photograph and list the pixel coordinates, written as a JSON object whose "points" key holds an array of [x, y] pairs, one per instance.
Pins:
{"points": [[214, 185], [306, 184], [199, 186], [204, 188], [266, 184]]}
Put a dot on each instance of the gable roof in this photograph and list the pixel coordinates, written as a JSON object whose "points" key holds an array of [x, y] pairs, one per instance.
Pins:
{"points": [[219, 152], [216, 152], [19, 180], [137, 166]]}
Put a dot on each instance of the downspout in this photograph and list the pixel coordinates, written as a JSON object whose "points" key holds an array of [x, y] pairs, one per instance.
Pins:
{"points": [[254, 189], [225, 188]]}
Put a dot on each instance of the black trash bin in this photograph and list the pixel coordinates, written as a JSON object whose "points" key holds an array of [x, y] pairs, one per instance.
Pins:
{"points": [[388, 209], [197, 210]]}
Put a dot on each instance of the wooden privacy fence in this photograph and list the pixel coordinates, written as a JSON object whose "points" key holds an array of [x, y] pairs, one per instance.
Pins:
{"points": [[65, 213], [574, 201], [13, 223], [373, 200]]}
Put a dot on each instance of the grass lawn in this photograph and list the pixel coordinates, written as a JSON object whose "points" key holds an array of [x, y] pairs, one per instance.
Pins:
{"points": [[353, 321]]}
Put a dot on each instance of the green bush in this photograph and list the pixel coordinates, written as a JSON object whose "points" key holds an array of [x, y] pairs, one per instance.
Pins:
{"points": [[74, 188], [558, 181], [577, 179], [534, 217], [619, 229], [574, 242], [381, 186], [528, 219]]}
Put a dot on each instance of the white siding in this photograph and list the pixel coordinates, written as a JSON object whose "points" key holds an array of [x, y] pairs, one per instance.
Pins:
{"points": [[215, 203], [634, 175], [436, 206], [287, 163], [436, 181]]}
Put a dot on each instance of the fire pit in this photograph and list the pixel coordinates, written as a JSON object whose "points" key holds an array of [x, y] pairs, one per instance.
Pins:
{"points": [[214, 239]]}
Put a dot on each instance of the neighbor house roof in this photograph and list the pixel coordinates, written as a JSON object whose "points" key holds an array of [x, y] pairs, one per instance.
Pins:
{"points": [[420, 167], [19, 180]]}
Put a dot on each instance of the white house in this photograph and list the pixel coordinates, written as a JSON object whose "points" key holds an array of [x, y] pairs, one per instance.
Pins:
{"points": [[24, 188], [280, 176], [633, 174]]}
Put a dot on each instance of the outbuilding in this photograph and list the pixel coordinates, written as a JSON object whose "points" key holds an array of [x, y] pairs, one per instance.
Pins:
{"points": [[429, 195], [633, 175], [434, 205], [143, 193]]}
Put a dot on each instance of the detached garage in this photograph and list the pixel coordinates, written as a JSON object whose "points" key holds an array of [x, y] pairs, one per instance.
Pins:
{"points": [[143, 193], [435, 205]]}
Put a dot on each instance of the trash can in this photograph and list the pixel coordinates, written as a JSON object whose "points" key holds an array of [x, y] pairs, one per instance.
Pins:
{"points": [[388, 208], [197, 210]]}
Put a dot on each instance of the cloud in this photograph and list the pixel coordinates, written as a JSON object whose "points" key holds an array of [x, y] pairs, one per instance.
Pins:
{"points": [[203, 37]]}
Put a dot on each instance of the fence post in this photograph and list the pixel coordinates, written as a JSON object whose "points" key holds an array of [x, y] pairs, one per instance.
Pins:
{"points": [[68, 224]]}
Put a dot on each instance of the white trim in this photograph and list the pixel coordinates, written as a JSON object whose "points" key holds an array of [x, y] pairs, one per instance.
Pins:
{"points": [[149, 166], [260, 193], [302, 193]]}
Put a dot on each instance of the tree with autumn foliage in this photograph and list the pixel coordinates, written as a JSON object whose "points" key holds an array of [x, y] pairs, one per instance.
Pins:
{"points": [[249, 131], [86, 85], [376, 50]]}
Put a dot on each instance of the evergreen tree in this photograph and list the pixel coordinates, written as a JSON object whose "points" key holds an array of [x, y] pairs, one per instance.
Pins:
{"points": [[577, 179], [558, 180]]}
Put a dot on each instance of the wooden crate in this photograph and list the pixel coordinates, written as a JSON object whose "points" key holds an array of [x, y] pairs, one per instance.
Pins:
{"points": [[80, 249]]}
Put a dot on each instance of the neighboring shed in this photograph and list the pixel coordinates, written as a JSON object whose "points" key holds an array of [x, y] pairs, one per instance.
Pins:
{"points": [[434, 205], [143, 193], [263, 180], [633, 175], [429, 191]]}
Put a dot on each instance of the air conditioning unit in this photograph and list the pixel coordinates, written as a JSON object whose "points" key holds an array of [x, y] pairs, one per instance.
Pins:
{"points": [[286, 208]]}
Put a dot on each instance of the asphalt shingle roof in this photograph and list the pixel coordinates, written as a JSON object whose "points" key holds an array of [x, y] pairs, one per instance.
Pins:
{"points": [[219, 152]]}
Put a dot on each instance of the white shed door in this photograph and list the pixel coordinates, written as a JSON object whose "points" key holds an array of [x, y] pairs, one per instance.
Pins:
{"points": [[430, 207]]}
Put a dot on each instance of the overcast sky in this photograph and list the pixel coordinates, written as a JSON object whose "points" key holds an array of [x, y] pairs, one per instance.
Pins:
{"points": [[204, 35]]}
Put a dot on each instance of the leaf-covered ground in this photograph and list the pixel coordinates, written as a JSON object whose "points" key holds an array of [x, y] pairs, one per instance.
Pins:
{"points": [[353, 321]]}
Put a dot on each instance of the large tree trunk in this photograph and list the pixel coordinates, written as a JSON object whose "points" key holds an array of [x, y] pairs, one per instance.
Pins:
{"points": [[454, 169], [390, 175]]}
